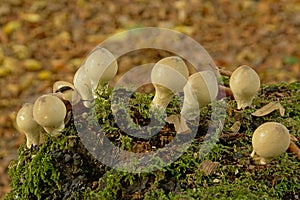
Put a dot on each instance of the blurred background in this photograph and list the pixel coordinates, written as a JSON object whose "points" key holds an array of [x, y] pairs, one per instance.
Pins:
{"points": [[45, 41]]}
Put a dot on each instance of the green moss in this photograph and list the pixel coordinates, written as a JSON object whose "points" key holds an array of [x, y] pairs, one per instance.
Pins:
{"points": [[33, 174], [62, 168]]}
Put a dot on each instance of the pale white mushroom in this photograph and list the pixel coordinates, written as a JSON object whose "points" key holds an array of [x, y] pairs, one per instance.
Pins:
{"points": [[67, 91], [244, 83], [100, 66], [168, 76], [83, 87], [27, 124], [50, 112], [270, 140], [200, 90]]}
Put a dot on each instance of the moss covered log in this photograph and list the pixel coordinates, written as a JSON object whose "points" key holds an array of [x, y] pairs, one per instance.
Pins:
{"points": [[62, 168]]}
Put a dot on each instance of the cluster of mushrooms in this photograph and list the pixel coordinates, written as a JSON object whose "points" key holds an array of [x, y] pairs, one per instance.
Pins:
{"points": [[49, 111]]}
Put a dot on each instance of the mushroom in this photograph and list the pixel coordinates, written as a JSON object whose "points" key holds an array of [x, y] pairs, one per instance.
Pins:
{"points": [[269, 140], [83, 87], [27, 124], [67, 91], [100, 67], [244, 83], [49, 112], [168, 76], [200, 90]]}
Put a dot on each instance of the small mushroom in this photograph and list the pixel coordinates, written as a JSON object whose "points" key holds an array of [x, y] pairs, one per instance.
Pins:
{"points": [[67, 91], [101, 66], [200, 90], [168, 76], [269, 140], [83, 87], [244, 83], [27, 124], [49, 112]]}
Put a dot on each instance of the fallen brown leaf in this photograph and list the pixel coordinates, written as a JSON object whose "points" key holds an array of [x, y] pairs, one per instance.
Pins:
{"points": [[293, 148], [208, 167], [235, 127], [293, 138], [267, 109]]}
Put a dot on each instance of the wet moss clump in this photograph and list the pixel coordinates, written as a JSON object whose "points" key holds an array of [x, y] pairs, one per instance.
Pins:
{"points": [[63, 168]]}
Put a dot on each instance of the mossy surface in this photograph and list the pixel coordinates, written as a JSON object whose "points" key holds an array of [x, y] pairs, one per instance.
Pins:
{"points": [[62, 168]]}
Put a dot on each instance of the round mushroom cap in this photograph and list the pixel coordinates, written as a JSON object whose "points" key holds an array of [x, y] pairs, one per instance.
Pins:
{"points": [[244, 84], [171, 73], [270, 140], [244, 80], [82, 84], [204, 85], [25, 119], [101, 66], [49, 111], [67, 91], [61, 86]]}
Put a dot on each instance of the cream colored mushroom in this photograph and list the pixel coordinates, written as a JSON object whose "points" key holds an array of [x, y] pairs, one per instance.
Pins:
{"points": [[83, 87], [244, 83], [200, 90], [49, 112], [27, 124], [270, 140], [67, 91], [168, 76], [100, 66]]}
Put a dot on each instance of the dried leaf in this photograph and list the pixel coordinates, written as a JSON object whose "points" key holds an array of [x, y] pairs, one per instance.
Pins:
{"points": [[208, 167], [267, 109], [11, 26], [293, 138], [293, 148], [235, 127], [32, 65], [31, 17], [281, 109]]}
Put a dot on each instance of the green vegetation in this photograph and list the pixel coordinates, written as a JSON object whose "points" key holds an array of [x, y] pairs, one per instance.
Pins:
{"points": [[61, 168]]}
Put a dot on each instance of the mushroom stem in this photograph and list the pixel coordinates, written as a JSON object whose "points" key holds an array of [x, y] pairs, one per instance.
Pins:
{"points": [[83, 87], [169, 75], [55, 130], [100, 67], [163, 96], [27, 124], [200, 90]]}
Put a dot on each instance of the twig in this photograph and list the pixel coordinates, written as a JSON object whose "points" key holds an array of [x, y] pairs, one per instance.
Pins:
{"points": [[224, 91], [225, 72]]}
